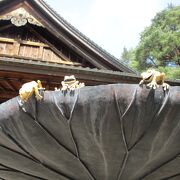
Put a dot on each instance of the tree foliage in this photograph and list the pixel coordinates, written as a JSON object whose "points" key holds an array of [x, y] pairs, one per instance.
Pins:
{"points": [[159, 45], [128, 57], [160, 42], [125, 56], [171, 72]]}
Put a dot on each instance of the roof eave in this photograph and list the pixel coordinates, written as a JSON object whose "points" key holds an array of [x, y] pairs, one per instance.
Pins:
{"points": [[51, 69]]}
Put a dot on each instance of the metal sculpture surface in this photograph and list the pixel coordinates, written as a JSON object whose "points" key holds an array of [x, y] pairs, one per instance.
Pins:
{"points": [[106, 132]]}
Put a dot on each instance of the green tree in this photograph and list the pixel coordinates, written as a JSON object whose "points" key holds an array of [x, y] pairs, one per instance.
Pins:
{"points": [[160, 42], [171, 72], [128, 57], [125, 56]]}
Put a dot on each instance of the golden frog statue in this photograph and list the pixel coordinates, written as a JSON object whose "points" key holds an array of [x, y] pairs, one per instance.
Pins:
{"points": [[29, 88], [153, 79]]}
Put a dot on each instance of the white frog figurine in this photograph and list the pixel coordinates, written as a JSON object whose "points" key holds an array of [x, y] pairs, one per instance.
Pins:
{"points": [[70, 83]]}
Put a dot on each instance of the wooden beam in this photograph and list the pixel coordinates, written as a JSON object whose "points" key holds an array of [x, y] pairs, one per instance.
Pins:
{"points": [[29, 43], [50, 45], [41, 49], [3, 87], [10, 84], [5, 27], [7, 94], [23, 58], [16, 46]]}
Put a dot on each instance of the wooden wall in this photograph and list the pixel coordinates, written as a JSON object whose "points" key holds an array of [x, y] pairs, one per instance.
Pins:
{"points": [[14, 46], [36, 43]]}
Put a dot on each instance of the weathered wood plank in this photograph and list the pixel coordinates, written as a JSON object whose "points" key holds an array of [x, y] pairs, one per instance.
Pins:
{"points": [[16, 48], [46, 54], [40, 53], [9, 49], [11, 84], [12, 48], [2, 48], [30, 43], [50, 45]]}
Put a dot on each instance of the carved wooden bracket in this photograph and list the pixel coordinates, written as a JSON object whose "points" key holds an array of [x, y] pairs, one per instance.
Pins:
{"points": [[20, 17]]}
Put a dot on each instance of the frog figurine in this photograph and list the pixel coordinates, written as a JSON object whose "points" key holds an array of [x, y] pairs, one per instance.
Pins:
{"points": [[29, 88], [153, 79], [70, 83]]}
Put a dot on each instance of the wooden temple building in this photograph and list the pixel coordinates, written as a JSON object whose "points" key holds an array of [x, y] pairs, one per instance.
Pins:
{"points": [[37, 43]]}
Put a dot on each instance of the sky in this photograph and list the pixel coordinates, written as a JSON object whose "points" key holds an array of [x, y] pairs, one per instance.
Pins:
{"points": [[112, 24]]}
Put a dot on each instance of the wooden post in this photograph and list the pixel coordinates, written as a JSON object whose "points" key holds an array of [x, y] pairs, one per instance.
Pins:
{"points": [[16, 46], [40, 54]]}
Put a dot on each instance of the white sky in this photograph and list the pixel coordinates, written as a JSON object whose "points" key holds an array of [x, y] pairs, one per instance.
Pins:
{"points": [[112, 24]]}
